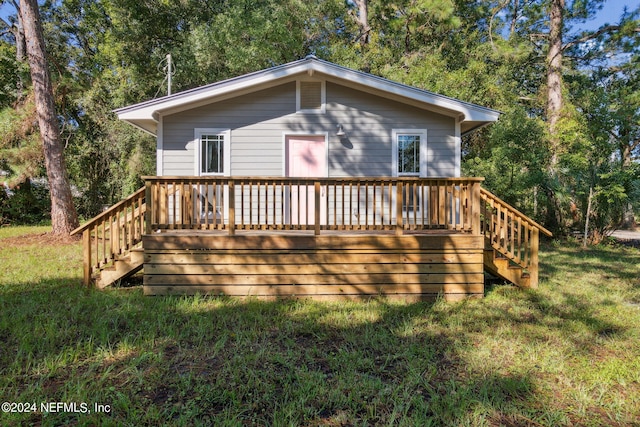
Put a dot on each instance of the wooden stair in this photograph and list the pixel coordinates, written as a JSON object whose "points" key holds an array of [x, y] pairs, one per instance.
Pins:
{"points": [[123, 267], [512, 240], [499, 266], [112, 242]]}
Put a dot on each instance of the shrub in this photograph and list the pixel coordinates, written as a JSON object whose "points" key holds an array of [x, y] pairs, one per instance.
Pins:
{"points": [[25, 204]]}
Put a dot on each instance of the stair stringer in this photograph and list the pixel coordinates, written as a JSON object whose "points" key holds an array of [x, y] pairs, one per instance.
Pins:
{"points": [[122, 268], [501, 267]]}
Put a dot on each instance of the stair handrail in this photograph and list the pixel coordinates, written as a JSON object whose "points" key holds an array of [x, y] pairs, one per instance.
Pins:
{"points": [[511, 233], [112, 233], [486, 194]]}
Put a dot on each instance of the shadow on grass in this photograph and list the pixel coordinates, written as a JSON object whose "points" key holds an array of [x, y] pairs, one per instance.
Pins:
{"points": [[182, 359]]}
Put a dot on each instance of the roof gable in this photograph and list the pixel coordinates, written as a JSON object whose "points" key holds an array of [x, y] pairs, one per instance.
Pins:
{"points": [[146, 115]]}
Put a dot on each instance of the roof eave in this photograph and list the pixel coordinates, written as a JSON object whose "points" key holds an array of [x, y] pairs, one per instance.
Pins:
{"points": [[142, 114]]}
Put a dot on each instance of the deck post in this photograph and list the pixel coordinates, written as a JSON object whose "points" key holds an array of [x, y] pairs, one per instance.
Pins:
{"points": [[150, 209], [316, 225], [232, 207], [475, 208], [86, 257], [399, 230], [533, 260]]}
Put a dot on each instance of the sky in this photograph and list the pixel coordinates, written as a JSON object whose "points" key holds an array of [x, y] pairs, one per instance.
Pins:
{"points": [[610, 13]]}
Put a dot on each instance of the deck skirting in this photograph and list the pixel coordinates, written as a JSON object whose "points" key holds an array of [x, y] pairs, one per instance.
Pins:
{"points": [[339, 266]]}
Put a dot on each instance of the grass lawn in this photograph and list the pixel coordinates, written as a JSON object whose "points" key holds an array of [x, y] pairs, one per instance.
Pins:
{"points": [[565, 354]]}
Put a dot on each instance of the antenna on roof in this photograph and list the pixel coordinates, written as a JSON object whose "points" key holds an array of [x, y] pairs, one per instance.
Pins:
{"points": [[170, 69]]}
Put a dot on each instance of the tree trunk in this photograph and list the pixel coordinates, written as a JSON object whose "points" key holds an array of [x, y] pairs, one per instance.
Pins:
{"points": [[554, 102], [363, 21], [554, 75], [587, 216], [628, 218], [21, 46], [514, 18], [63, 213]]}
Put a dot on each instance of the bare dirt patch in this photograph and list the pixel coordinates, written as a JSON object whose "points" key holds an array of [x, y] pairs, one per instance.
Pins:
{"points": [[48, 239]]}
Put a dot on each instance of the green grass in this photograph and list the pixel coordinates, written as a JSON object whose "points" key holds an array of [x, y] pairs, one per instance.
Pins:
{"points": [[565, 354], [13, 231]]}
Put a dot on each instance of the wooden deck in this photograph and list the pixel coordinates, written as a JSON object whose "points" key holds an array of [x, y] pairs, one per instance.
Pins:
{"points": [[405, 238], [337, 265]]}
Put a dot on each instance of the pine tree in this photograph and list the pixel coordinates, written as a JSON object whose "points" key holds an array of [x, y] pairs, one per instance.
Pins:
{"points": [[63, 213]]}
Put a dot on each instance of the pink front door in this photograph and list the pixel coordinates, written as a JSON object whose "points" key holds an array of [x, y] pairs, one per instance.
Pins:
{"points": [[306, 157]]}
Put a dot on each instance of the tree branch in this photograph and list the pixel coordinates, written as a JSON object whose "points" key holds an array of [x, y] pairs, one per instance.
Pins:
{"points": [[495, 11], [609, 29], [4, 24]]}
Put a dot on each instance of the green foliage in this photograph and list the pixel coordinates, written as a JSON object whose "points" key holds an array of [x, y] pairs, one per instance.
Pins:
{"points": [[616, 192], [600, 136], [9, 75], [272, 33], [25, 204], [107, 54], [21, 154], [514, 160]]}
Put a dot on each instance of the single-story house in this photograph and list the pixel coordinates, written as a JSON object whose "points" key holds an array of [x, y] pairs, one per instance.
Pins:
{"points": [[308, 118], [311, 179]]}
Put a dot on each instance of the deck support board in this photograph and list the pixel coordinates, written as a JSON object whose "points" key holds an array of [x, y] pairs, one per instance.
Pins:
{"points": [[337, 266]]}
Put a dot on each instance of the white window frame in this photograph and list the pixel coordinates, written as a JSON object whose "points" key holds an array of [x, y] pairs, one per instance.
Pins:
{"points": [[323, 97], [198, 134], [422, 133]]}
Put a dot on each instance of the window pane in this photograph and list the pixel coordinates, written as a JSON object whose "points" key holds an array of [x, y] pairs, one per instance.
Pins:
{"points": [[408, 154], [212, 153]]}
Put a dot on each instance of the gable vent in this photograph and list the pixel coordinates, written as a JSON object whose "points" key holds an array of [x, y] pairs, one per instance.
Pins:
{"points": [[310, 95]]}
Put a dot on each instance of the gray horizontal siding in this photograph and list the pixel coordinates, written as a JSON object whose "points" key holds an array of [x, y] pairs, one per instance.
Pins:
{"points": [[259, 120], [369, 121], [255, 121]]}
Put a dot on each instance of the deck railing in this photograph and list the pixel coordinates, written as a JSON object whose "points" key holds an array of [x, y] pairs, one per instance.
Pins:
{"points": [[112, 233], [511, 233], [316, 204], [230, 204]]}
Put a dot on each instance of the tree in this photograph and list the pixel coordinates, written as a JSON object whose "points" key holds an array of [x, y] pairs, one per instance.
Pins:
{"points": [[63, 213], [15, 28], [610, 100], [554, 72], [363, 21], [559, 52], [512, 55]]}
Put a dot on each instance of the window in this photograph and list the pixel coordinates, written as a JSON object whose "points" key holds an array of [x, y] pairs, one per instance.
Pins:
{"points": [[310, 96], [212, 149], [212, 152], [409, 152]]}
